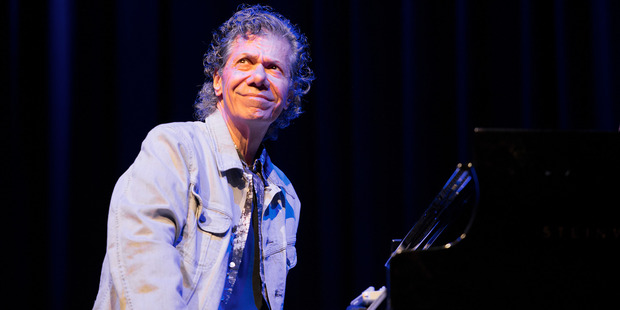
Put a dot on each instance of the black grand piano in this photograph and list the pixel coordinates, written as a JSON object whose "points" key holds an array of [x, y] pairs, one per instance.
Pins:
{"points": [[539, 229]]}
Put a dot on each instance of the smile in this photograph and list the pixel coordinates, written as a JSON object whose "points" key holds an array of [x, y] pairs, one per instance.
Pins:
{"points": [[261, 96]]}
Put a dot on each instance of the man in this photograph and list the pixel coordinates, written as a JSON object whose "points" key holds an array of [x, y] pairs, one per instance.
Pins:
{"points": [[203, 219]]}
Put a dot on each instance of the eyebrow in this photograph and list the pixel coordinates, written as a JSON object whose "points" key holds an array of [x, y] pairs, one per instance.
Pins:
{"points": [[254, 57]]}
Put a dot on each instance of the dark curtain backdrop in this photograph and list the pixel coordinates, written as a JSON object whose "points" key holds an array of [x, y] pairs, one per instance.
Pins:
{"points": [[400, 87]]}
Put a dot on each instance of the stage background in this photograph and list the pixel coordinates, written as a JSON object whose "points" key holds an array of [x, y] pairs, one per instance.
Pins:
{"points": [[400, 87]]}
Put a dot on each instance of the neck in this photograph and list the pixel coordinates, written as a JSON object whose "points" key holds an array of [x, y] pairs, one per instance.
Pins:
{"points": [[246, 142], [247, 138]]}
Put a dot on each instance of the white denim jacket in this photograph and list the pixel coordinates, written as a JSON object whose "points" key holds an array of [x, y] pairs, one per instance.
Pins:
{"points": [[171, 216]]}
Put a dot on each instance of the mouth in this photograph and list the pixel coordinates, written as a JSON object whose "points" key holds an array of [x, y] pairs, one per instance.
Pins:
{"points": [[260, 96]]}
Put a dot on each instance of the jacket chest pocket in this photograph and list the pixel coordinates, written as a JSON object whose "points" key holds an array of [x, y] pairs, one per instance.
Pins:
{"points": [[212, 237], [205, 236], [202, 244]]}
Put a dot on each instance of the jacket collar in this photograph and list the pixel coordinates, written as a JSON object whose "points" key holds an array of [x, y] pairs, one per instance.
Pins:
{"points": [[222, 143]]}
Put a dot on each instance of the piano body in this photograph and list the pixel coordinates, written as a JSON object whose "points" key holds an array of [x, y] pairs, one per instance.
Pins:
{"points": [[545, 234]]}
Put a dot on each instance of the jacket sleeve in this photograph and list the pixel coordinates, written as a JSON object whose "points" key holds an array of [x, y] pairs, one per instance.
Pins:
{"points": [[147, 212]]}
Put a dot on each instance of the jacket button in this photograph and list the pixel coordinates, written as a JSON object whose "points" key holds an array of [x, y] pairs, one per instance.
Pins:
{"points": [[202, 218], [278, 293]]}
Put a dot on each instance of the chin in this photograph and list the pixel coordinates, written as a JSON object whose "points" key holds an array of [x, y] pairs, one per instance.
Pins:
{"points": [[263, 115]]}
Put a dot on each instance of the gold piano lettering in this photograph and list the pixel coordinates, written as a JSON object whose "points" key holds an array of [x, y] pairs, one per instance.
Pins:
{"points": [[567, 232]]}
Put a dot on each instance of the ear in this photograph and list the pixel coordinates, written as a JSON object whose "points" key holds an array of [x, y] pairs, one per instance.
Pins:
{"points": [[217, 84]]}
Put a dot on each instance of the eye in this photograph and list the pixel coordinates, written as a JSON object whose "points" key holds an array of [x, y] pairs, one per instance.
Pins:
{"points": [[274, 67], [243, 64]]}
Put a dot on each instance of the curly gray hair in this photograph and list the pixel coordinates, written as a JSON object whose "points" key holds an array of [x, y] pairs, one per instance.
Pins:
{"points": [[257, 20]]}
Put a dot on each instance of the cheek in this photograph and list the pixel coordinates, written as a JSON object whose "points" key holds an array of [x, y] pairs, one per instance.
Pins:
{"points": [[231, 79], [284, 90]]}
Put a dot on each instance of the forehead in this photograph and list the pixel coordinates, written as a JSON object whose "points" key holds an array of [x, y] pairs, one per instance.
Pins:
{"points": [[266, 45]]}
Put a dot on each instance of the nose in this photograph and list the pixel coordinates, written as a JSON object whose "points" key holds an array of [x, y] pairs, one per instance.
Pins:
{"points": [[258, 77]]}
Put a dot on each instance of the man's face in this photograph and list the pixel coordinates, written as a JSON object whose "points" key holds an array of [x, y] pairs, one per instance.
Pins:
{"points": [[254, 83]]}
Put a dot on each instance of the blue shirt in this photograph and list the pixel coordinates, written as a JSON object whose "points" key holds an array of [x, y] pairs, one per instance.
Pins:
{"points": [[244, 293]]}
